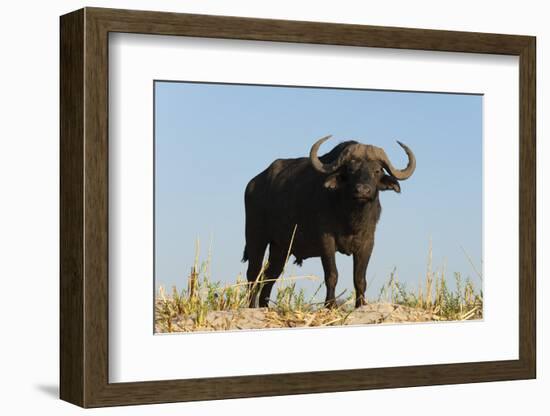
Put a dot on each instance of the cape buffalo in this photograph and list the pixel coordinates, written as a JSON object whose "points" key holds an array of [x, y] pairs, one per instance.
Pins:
{"points": [[330, 203]]}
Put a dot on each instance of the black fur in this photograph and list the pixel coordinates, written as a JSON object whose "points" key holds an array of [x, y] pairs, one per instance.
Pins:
{"points": [[330, 213]]}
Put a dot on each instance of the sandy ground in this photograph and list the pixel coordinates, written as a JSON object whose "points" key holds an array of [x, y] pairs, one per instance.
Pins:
{"points": [[259, 318]]}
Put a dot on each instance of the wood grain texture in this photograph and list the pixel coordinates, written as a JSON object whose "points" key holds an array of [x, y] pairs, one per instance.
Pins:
{"points": [[96, 208], [528, 208], [162, 23], [84, 207], [71, 213]]}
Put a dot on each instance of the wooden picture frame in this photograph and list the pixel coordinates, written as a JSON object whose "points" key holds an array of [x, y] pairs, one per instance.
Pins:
{"points": [[84, 207]]}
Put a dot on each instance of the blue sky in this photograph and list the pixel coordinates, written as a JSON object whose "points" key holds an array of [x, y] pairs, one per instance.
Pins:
{"points": [[211, 139]]}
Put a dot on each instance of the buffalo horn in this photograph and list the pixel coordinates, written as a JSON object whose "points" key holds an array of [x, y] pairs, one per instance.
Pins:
{"points": [[317, 164]]}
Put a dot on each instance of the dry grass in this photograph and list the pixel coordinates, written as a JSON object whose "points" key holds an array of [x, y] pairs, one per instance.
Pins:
{"points": [[292, 308], [465, 302]]}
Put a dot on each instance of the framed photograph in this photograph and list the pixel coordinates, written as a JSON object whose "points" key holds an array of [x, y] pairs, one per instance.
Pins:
{"points": [[254, 207]]}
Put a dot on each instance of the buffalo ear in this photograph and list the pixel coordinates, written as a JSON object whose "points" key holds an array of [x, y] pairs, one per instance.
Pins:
{"points": [[388, 182], [332, 182]]}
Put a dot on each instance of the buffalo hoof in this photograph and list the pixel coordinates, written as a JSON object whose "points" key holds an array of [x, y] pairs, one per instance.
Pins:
{"points": [[360, 302]]}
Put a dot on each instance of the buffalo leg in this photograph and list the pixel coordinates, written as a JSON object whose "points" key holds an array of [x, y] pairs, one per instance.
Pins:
{"points": [[255, 260], [275, 267], [360, 263], [328, 259]]}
